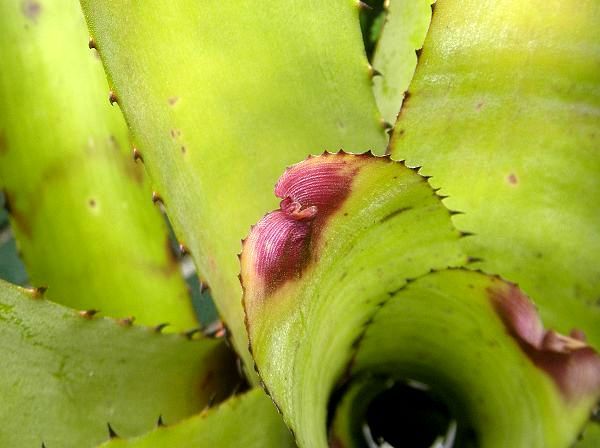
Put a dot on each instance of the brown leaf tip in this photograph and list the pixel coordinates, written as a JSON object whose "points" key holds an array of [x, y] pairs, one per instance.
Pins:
{"points": [[126, 321], [160, 327], [215, 330], [112, 97], [137, 155], [572, 364], [156, 198], [111, 432], [88, 314], [38, 292]]}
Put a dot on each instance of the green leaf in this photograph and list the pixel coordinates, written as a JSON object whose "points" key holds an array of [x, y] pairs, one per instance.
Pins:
{"points": [[65, 375], [337, 287], [80, 209], [220, 97], [406, 24], [312, 285], [445, 330], [248, 421], [503, 113]]}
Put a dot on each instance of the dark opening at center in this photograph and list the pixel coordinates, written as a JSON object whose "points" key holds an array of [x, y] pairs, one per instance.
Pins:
{"points": [[406, 416]]}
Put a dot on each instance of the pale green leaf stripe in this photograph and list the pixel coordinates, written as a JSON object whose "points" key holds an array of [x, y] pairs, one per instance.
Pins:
{"points": [[64, 377], [221, 96], [248, 421], [81, 211]]}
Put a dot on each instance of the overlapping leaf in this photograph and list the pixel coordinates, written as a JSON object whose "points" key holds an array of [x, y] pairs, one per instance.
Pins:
{"points": [[312, 283], [221, 96], [80, 208], [395, 58], [503, 113], [64, 376], [248, 421], [351, 234]]}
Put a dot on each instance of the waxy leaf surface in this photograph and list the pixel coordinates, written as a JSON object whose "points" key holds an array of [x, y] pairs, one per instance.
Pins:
{"points": [[65, 376], [249, 421], [503, 113], [221, 96], [380, 225], [79, 205], [328, 280], [395, 58]]}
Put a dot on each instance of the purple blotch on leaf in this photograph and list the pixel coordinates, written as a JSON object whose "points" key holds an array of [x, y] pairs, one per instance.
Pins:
{"points": [[283, 242], [31, 9], [571, 363]]}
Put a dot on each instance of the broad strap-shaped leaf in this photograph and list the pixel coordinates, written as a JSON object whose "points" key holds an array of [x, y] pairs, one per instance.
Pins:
{"points": [[477, 341], [221, 96], [503, 113], [65, 375], [80, 208], [395, 57], [249, 420], [351, 230], [351, 235]]}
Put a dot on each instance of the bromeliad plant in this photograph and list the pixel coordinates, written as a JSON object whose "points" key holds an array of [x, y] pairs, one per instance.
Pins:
{"points": [[438, 291]]}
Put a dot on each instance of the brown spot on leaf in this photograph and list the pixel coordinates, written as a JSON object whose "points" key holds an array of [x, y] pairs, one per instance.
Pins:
{"points": [[512, 179], [31, 9], [568, 360], [92, 203], [479, 105], [172, 100]]}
